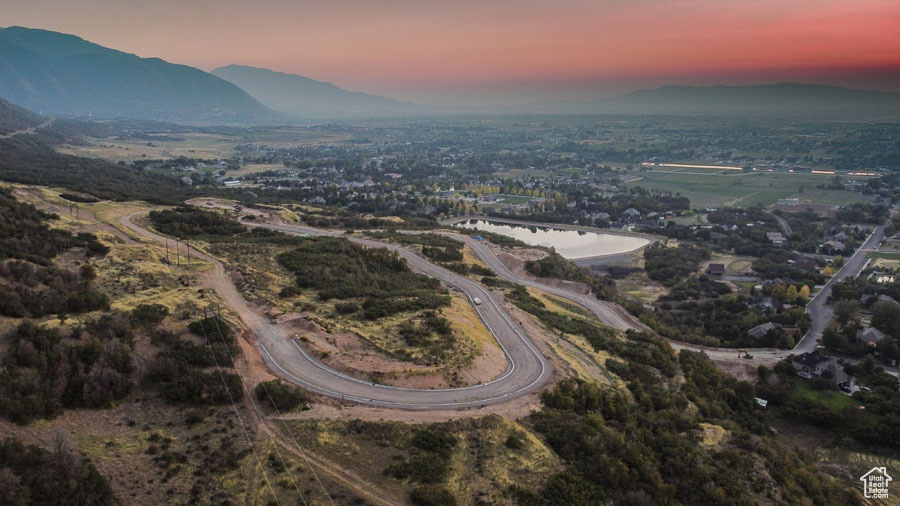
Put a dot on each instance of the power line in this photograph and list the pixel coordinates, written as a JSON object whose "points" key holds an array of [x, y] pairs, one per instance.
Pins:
{"points": [[284, 423], [236, 412], [215, 321]]}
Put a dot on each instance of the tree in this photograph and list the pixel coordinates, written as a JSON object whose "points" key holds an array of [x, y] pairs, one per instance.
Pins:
{"points": [[791, 294], [828, 271], [885, 316], [804, 293], [845, 310], [838, 260]]}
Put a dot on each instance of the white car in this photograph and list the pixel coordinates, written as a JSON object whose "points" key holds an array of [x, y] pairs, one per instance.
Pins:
{"points": [[477, 301]]}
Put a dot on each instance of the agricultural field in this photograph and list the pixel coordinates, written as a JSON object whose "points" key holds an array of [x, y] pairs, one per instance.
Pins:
{"points": [[195, 144], [189, 145], [743, 189]]}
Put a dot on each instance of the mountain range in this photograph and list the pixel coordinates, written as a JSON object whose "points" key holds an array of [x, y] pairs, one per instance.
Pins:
{"points": [[62, 74], [298, 95], [58, 74], [763, 100]]}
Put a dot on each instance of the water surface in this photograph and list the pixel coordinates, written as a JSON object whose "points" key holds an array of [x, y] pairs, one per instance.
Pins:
{"points": [[570, 244]]}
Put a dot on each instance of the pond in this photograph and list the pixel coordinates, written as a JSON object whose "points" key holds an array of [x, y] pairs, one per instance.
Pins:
{"points": [[570, 244]]}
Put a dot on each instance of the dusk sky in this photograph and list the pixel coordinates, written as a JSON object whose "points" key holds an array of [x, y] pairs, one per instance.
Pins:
{"points": [[492, 50]]}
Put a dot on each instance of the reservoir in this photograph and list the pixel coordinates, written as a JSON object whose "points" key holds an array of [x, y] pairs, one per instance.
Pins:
{"points": [[571, 244]]}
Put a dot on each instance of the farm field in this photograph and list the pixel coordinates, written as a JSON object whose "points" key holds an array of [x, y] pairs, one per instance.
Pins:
{"points": [[744, 189], [195, 145], [191, 145]]}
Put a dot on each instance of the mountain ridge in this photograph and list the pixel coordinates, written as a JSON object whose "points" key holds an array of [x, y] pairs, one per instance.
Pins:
{"points": [[63, 74], [296, 94], [788, 97]]}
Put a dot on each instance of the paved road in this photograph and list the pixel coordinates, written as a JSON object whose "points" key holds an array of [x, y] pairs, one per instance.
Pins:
{"points": [[606, 312], [821, 314], [784, 225], [527, 370]]}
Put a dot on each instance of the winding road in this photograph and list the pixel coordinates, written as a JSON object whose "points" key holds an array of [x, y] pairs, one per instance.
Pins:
{"points": [[526, 372], [527, 369]]}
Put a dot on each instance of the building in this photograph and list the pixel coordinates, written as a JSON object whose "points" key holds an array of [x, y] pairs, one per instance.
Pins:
{"points": [[776, 238], [813, 365], [806, 264], [630, 214], [833, 246], [767, 304], [716, 269], [870, 336], [760, 331]]}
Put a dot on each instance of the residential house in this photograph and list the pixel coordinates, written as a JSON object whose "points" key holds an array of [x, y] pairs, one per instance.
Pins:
{"points": [[760, 331], [776, 238], [630, 214], [813, 365], [767, 304], [833, 247], [716, 269], [870, 336], [806, 264]]}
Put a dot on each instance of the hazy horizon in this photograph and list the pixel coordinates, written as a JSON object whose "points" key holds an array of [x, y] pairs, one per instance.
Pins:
{"points": [[502, 52]]}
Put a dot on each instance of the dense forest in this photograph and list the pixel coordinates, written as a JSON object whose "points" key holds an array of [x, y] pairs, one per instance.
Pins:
{"points": [[30, 159]]}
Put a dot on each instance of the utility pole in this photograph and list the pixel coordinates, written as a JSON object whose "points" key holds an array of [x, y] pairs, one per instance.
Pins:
{"points": [[167, 250], [177, 257]]}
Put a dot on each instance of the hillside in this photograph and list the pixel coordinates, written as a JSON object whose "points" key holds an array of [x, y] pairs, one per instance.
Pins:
{"points": [[768, 99], [294, 94], [60, 74], [13, 118]]}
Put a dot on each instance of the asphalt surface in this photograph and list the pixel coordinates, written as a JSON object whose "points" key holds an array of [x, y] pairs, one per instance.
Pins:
{"points": [[821, 314], [606, 312], [527, 369]]}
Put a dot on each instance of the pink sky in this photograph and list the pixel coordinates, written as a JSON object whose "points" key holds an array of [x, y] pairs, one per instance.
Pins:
{"points": [[416, 49]]}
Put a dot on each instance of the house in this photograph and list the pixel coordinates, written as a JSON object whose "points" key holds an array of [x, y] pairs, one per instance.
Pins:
{"points": [[871, 336], [767, 304], [600, 216], [716, 269], [776, 238], [760, 331], [833, 246], [806, 264], [231, 184], [840, 236], [630, 214], [813, 365], [883, 277]]}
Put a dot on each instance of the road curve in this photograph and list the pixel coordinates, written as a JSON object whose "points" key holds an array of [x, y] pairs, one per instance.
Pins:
{"points": [[604, 311], [527, 370]]}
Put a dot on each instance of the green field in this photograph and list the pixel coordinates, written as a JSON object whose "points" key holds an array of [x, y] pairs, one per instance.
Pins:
{"points": [[832, 399], [883, 255], [744, 189]]}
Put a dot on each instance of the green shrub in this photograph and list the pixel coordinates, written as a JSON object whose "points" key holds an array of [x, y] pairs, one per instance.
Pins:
{"points": [[280, 396]]}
